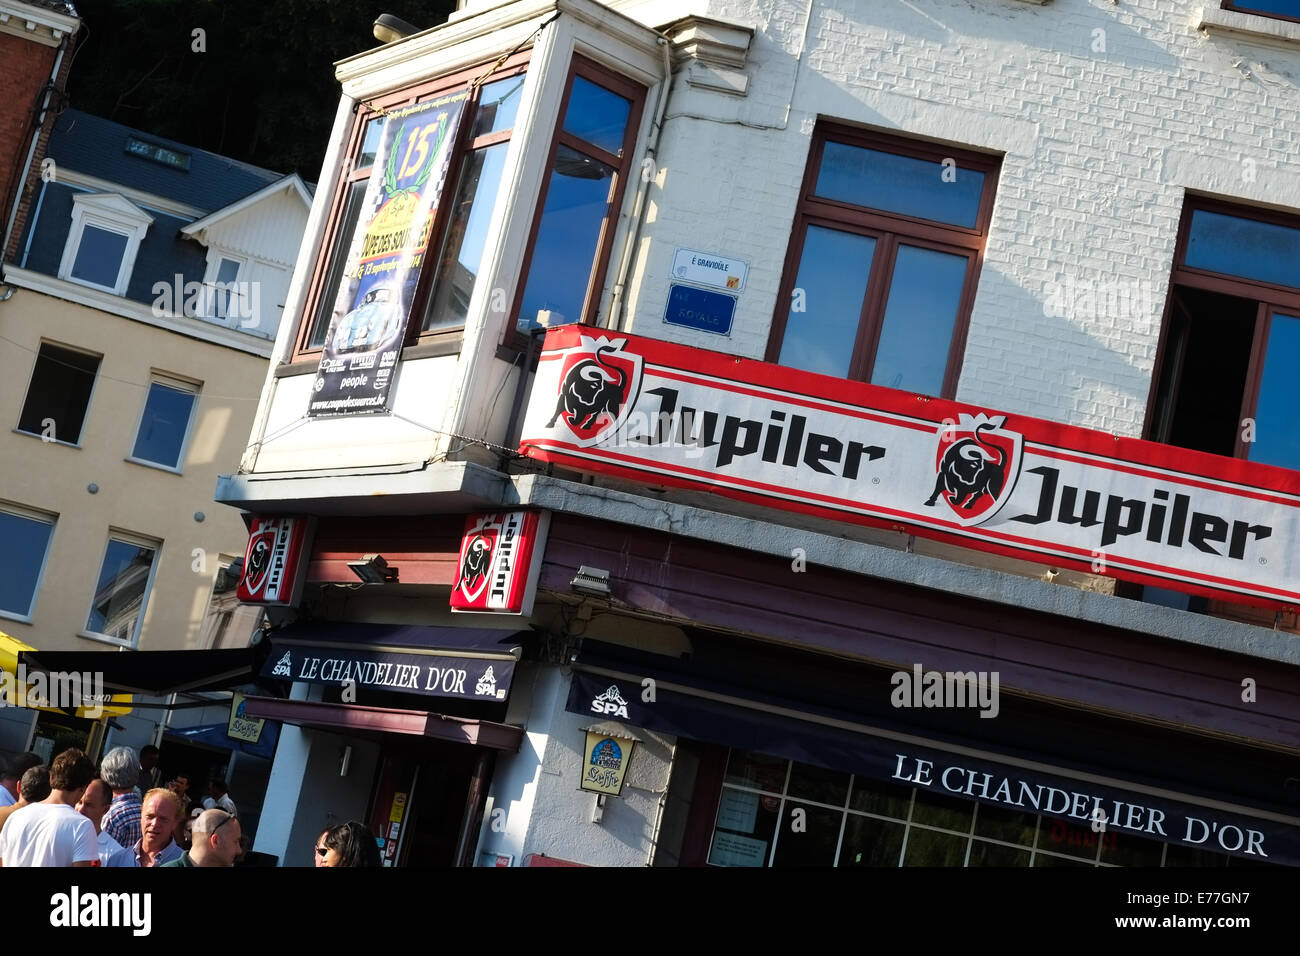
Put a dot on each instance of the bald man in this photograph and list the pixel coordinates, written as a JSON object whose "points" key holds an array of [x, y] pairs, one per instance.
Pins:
{"points": [[215, 841]]}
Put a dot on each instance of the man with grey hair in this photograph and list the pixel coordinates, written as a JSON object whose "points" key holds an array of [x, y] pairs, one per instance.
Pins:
{"points": [[120, 769], [215, 843]]}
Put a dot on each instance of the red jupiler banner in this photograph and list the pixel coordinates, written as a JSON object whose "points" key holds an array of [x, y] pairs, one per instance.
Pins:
{"points": [[275, 561], [666, 414], [500, 558]]}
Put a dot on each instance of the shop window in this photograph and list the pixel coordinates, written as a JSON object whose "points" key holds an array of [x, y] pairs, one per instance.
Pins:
{"points": [[26, 535], [122, 589], [1278, 9], [1224, 381], [855, 821], [458, 234], [884, 260], [165, 423], [591, 157], [59, 393]]}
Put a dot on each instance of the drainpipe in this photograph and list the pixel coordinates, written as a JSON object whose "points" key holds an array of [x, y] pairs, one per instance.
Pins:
{"points": [[638, 210], [38, 116]]}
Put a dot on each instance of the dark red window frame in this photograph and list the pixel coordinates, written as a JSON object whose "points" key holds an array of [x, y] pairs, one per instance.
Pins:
{"points": [[887, 228]]}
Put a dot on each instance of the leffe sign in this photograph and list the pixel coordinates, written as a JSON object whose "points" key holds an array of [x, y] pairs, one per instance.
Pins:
{"points": [[666, 414]]}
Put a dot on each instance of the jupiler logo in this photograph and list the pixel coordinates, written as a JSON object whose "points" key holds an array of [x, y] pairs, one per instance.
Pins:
{"points": [[476, 552], [257, 560], [610, 702], [599, 384], [977, 464], [283, 667]]}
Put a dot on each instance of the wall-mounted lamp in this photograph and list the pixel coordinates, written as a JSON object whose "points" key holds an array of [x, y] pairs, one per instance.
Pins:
{"points": [[373, 569], [592, 581], [389, 28]]}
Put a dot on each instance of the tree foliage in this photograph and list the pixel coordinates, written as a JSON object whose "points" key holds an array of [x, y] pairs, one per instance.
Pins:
{"points": [[263, 88]]}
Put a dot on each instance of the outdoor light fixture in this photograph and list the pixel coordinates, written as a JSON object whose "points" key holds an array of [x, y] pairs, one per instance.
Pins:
{"points": [[373, 569], [389, 28], [591, 581]]}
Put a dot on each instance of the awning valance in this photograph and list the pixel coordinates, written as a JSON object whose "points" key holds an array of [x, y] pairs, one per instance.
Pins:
{"points": [[152, 672]]}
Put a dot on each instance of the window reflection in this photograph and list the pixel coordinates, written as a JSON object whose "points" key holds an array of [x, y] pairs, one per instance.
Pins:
{"points": [[498, 105], [325, 312], [577, 196], [99, 256], [26, 542], [597, 116], [924, 295], [1277, 439], [120, 594], [1244, 247], [901, 184], [827, 304]]}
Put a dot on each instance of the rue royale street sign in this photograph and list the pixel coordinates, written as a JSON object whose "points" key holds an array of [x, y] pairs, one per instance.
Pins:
{"points": [[666, 414]]}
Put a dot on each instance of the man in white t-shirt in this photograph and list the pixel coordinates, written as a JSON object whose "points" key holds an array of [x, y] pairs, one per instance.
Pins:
{"points": [[52, 832], [93, 805]]}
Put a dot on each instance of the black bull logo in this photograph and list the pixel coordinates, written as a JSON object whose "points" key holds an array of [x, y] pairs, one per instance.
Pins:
{"points": [[592, 388], [475, 567], [970, 469], [258, 561]]}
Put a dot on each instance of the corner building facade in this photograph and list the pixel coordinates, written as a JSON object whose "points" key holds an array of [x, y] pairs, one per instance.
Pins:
{"points": [[877, 418]]}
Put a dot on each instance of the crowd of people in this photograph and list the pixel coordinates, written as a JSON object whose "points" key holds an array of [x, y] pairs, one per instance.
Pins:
{"points": [[70, 814]]}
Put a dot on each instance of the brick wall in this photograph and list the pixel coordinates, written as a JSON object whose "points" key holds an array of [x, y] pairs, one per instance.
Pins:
{"points": [[26, 70], [1105, 115]]}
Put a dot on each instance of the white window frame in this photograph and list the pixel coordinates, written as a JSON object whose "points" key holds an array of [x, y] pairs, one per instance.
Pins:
{"points": [[89, 398], [181, 385], [33, 515], [138, 541], [112, 213], [210, 278]]}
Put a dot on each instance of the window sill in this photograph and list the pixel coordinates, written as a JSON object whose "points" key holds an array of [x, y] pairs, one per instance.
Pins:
{"points": [[1253, 27], [105, 639], [20, 618], [152, 464], [46, 441]]}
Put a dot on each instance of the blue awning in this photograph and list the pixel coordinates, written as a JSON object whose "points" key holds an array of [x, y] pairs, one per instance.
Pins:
{"points": [[462, 663], [215, 735]]}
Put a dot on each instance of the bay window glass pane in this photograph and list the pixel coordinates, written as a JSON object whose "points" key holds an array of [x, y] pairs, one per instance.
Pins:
{"points": [[370, 142], [1277, 437], [163, 426], [120, 592], [463, 249], [99, 256], [827, 301], [498, 105], [26, 541], [1244, 247], [338, 263], [901, 184], [920, 314], [596, 115], [564, 253]]}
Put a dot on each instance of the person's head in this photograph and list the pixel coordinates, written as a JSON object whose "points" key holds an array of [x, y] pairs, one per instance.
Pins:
{"points": [[180, 784], [320, 850], [70, 773], [148, 757], [217, 788], [35, 785], [94, 802], [120, 769], [349, 844], [215, 840], [12, 775], [160, 812]]}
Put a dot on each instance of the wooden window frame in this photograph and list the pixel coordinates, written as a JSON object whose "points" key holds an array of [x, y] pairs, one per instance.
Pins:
{"points": [[1232, 6], [635, 93], [887, 228], [418, 344], [1270, 298]]}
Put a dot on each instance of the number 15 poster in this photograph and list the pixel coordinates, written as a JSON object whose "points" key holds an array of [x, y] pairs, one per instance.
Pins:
{"points": [[388, 249]]}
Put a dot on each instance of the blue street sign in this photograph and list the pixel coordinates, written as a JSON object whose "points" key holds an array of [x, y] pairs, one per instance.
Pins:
{"points": [[700, 309]]}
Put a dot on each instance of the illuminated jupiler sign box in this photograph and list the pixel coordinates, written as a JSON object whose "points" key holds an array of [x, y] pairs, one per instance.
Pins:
{"points": [[666, 414]]}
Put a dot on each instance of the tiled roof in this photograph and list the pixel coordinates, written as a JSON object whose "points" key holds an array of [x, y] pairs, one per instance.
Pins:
{"points": [[97, 147]]}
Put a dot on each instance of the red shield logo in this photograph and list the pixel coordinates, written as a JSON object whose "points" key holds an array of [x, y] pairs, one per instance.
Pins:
{"points": [[599, 384], [257, 561], [476, 550], [976, 465]]}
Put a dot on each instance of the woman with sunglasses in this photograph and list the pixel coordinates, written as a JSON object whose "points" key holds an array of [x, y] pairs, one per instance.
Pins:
{"points": [[348, 844]]}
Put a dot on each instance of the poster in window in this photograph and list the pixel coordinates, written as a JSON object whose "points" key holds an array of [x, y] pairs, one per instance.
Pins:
{"points": [[359, 359]]}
